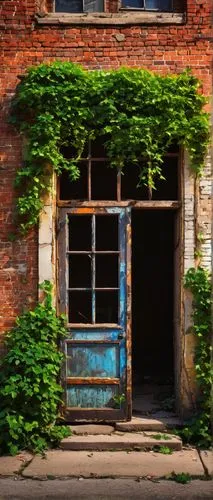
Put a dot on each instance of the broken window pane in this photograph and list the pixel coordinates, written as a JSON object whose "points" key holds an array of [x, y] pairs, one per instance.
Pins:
{"points": [[80, 307]]}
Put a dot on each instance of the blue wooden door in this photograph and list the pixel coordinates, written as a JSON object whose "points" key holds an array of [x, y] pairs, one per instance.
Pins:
{"points": [[94, 282]]}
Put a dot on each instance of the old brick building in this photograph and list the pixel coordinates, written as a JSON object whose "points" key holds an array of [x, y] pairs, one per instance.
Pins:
{"points": [[163, 36]]}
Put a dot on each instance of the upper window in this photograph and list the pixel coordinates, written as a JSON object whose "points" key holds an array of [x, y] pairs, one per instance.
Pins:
{"points": [[76, 6], [162, 5], [98, 181]]}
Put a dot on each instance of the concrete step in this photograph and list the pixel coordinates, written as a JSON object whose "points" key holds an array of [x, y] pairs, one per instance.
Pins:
{"points": [[121, 441], [140, 424], [92, 429], [160, 423]]}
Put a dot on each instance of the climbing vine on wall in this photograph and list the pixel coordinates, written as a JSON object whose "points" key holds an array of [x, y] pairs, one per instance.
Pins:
{"points": [[30, 394], [199, 282], [140, 114]]}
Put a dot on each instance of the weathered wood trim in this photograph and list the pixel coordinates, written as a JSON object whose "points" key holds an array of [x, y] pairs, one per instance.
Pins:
{"points": [[89, 342], [116, 19], [157, 204], [61, 253], [92, 381], [96, 326], [129, 316]]}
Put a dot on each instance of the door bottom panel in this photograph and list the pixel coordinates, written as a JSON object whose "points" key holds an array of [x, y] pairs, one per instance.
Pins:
{"points": [[102, 415]]}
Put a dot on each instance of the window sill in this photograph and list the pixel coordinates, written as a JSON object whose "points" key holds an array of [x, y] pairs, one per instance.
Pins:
{"points": [[120, 19]]}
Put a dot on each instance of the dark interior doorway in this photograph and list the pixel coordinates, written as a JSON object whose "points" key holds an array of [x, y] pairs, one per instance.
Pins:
{"points": [[152, 310]]}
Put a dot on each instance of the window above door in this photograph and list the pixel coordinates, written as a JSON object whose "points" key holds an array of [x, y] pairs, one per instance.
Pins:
{"points": [[98, 181]]}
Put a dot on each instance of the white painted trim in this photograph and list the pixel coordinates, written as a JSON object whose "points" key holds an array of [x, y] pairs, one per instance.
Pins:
{"points": [[188, 214], [47, 239]]}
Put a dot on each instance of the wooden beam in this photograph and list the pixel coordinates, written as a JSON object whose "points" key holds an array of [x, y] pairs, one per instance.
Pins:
{"points": [[90, 341], [91, 205], [92, 381]]}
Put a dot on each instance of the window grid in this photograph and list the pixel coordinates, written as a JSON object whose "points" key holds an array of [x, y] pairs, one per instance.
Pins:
{"points": [[87, 163], [92, 253]]}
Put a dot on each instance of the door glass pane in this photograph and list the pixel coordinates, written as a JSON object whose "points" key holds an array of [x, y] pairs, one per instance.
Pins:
{"points": [[80, 307], [103, 181], [80, 271], [80, 237], [107, 232], [106, 307], [93, 360], [74, 190], [106, 271]]}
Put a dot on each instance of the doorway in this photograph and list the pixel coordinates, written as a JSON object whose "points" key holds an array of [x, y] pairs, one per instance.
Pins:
{"points": [[152, 310]]}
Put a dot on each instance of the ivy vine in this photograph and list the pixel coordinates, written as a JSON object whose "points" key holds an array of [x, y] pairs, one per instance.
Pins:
{"points": [[199, 282], [140, 114], [30, 394]]}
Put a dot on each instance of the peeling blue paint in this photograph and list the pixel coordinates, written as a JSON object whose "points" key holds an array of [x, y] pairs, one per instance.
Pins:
{"points": [[103, 359], [93, 360], [91, 397]]}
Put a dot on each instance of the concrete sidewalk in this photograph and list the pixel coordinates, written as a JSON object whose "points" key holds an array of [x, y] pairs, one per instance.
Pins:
{"points": [[114, 464], [103, 489]]}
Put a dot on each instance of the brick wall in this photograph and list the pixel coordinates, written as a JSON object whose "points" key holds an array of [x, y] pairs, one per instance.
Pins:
{"points": [[165, 48]]}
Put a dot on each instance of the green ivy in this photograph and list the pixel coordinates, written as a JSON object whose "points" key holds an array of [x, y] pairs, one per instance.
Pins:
{"points": [[29, 391], [199, 282], [139, 113]]}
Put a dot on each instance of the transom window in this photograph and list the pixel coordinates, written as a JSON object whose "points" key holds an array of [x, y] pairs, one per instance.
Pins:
{"points": [[77, 6], [99, 181]]}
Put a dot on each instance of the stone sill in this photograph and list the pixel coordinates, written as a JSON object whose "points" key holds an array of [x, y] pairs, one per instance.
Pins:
{"points": [[120, 19]]}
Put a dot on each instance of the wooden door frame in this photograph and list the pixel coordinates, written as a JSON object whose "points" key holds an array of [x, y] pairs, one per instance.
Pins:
{"points": [[108, 414], [141, 205]]}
